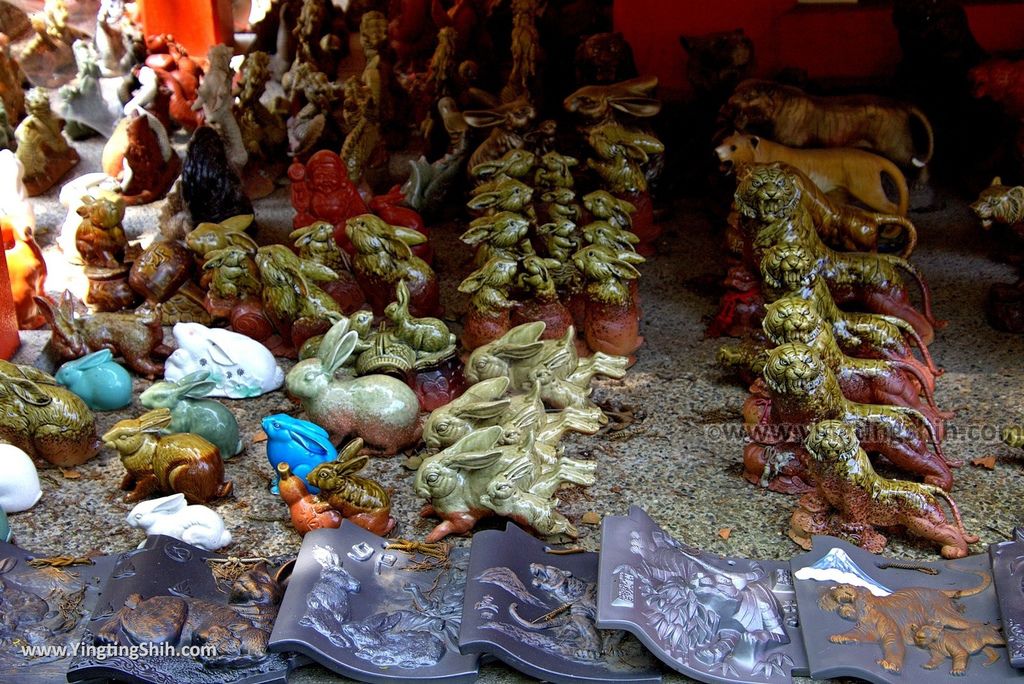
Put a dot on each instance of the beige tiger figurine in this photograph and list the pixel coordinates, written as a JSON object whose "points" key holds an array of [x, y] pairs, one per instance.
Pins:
{"points": [[770, 198]]}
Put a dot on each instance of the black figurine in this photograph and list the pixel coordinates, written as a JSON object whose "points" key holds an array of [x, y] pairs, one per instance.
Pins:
{"points": [[211, 189]]}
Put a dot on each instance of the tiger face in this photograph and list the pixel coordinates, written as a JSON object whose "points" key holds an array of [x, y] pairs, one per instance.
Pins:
{"points": [[832, 441], [791, 319], [753, 103], [1000, 204], [794, 369], [788, 268], [768, 193]]}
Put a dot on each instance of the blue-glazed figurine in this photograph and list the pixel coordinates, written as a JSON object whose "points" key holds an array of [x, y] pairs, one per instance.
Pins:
{"points": [[102, 383], [190, 412], [5, 528], [299, 443]]}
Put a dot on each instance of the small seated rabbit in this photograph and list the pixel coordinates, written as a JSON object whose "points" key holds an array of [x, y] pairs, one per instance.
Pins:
{"points": [[299, 443], [102, 383], [426, 336], [190, 412], [172, 516], [240, 366]]}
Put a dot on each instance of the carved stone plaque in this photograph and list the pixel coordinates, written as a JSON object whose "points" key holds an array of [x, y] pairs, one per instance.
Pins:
{"points": [[375, 614], [712, 618], [536, 611]]}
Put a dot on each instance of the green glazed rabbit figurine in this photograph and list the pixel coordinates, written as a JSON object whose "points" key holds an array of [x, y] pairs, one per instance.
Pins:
{"points": [[191, 412]]}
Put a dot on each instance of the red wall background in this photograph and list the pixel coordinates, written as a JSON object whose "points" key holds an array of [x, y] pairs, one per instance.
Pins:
{"points": [[836, 41]]}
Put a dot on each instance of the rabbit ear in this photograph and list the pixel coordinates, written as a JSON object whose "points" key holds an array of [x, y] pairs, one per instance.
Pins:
{"points": [[485, 169], [641, 85], [239, 239], [409, 236], [334, 335], [484, 200], [317, 272], [476, 234], [97, 358], [351, 466], [220, 355], [475, 461], [169, 504], [309, 442], [333, 357], [483, 118], [640, 107], [475, 280], [484, 410], [350, 450], [236, 224], [488, 390], [27, 391], [154, 420], [479, 440], [402, 293], [517, 471], [524, 334]]}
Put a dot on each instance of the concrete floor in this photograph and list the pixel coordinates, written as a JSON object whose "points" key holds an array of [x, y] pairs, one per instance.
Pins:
{"points": [[679, 458]]}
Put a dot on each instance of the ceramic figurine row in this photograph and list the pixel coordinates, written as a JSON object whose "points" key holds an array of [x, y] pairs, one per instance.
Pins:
{"points": [[379, 610]]}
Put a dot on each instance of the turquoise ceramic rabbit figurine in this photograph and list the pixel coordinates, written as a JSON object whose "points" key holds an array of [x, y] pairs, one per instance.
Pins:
{"points": [[299, 443], [102, 383]]}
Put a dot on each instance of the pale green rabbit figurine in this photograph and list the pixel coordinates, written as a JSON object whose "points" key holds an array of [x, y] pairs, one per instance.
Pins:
{"points": [[191, 412], [479, 476], [383, 410]]}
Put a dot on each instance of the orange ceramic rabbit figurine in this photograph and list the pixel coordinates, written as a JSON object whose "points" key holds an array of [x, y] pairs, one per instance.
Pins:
{"points": [[307, 512]]}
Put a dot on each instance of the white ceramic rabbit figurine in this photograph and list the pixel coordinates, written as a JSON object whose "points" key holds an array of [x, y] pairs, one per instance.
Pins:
{"points": [[171, 516], [19, 484], [241, 366]]}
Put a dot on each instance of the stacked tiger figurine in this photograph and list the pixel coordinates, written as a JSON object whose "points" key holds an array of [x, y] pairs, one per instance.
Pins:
{"points": [[815, 361]]}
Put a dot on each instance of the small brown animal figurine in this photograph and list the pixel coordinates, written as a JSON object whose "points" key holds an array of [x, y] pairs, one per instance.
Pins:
{"points": [[358, 499], [182, 463], [307, 511], [134, 336], [43, 419], [957, 644], [846, 481], [100, 238], [140, 156], [237, 631], [891, 621], [508, 122]]}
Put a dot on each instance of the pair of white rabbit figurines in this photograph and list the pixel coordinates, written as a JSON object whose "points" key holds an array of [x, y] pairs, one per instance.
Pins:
{"points": [[241, 366], [171, 516]]}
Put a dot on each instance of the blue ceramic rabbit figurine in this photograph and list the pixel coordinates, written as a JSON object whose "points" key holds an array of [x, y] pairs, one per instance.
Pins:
{"points": [[299, 443], [102, 383], [191, 412]]}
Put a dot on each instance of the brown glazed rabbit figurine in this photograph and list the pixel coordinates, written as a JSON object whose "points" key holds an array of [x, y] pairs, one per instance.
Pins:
{"points": [[182, 463], [359, 499], [507, 123], [134, 336], [43, 419]]}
